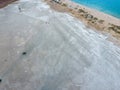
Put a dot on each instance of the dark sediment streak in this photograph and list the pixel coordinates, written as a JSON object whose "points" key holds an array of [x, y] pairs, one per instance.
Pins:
{"points": [[4, 3]]}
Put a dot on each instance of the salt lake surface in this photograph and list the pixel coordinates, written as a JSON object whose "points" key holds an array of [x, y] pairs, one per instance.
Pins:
{"points": [[41, 49]]}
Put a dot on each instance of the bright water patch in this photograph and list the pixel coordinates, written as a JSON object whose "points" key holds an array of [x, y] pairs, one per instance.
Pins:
{"points": [[111, 7]]}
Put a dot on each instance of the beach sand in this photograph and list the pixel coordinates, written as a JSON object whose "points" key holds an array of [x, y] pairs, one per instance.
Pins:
{"points": [[100, 21]]}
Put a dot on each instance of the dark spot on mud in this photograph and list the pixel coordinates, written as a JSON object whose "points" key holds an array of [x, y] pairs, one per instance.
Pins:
{"points": [[5, 60], [0, 80], [24, 53]]}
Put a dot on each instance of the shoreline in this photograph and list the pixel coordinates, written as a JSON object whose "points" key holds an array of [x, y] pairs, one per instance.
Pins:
{"points": [[105, 11], [92, 18]]}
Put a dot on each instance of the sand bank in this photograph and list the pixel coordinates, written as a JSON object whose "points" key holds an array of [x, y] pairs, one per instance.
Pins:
{"points": [[90, 17]]}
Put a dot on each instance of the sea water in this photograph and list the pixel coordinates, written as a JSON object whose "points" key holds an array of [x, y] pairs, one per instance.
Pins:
{"points": [[111, 7]]}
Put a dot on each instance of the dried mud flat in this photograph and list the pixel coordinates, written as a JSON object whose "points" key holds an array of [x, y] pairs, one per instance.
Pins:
{"points": [[41, 49]]}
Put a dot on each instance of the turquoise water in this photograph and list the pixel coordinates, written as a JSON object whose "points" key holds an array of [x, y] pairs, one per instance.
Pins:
{"points": [[111, 7]]}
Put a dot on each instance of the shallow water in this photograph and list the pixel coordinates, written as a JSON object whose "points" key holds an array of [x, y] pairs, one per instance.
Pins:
{"points": [[61, 53], [111, 7]]}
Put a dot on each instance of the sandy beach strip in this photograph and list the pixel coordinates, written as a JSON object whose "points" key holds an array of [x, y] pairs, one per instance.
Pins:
{"points": [[4, 3], [90, 17]]}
